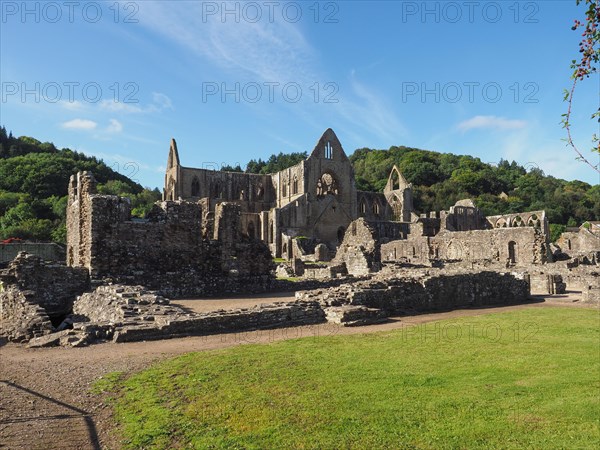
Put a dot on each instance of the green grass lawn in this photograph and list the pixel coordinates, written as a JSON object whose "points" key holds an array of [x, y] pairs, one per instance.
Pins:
{"points": [[522, 379]]}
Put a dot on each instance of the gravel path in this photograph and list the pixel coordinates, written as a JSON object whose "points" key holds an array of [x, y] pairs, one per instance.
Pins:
{"points": [[45, 401]]}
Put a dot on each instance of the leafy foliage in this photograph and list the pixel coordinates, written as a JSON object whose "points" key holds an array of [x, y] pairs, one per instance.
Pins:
{"points": [[33, 187], [275, 163], [582, 69], [440, 179]]}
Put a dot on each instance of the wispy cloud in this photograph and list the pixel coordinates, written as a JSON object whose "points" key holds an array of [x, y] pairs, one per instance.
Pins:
{"points": [[114, 126], [159, 102], [491, 122], [75, 105], [79, 124], [268, 51], [370, 111]]}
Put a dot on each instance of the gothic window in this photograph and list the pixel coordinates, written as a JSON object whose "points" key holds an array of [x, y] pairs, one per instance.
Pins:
{"points": [[217, 191], [395, 179], [327, 184], [328, 151], [260, 191], [397, 208], [195, 187], [284, 184], [362, 207], [518, 222], [295, 185], [376, 208]]}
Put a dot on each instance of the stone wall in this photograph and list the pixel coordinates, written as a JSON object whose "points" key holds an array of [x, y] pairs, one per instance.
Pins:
{"points": [[53, 286], [546, 283], [360, 250], [167, 251], [514, 246], [21, 319], [591, 294], [427, 292], [46, 251], [584, 241]]}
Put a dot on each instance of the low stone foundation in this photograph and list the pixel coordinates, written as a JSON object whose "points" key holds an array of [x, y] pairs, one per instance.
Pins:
{"points": [[124, 313], [427, 292]]}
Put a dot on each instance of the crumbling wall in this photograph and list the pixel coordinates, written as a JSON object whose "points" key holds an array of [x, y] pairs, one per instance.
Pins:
{"points": [[167, 251], [21, 319], [582, 242], [46, 251], [508, 246], [53, 286], [547, 283], [429, 292], [591, 294], [360, 249]]}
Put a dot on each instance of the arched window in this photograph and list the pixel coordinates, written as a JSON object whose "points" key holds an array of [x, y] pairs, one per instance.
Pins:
{"points": [[195, 187], [397, 208], [395, 179], [284, 188], [217, 190], [295, 185], [328, 151], [362, 207], [376, 208]]}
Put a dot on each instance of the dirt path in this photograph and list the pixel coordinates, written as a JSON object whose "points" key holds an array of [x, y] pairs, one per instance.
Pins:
{"points": [[45, 401]]}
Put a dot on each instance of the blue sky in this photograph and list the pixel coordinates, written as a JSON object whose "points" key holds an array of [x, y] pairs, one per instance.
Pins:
{"points": [[240, 80]]}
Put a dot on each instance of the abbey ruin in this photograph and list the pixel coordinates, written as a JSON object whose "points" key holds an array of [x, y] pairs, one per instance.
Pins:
{"points": [[353, 257]]}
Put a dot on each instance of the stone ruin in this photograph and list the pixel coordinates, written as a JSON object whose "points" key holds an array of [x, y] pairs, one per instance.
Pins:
{"points": [[178, 250], [35, 296], [121, 272]]}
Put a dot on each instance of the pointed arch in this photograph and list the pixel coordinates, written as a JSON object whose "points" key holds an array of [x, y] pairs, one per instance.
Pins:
{"points": [[362, 207], [195, 186]]}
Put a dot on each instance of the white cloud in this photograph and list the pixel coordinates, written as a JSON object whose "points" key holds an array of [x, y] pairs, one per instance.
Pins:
{"points": [[80, 124], [159, 102], [120, 107], [114, 126], [268, 51], [491, 122], [75, 105]]}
